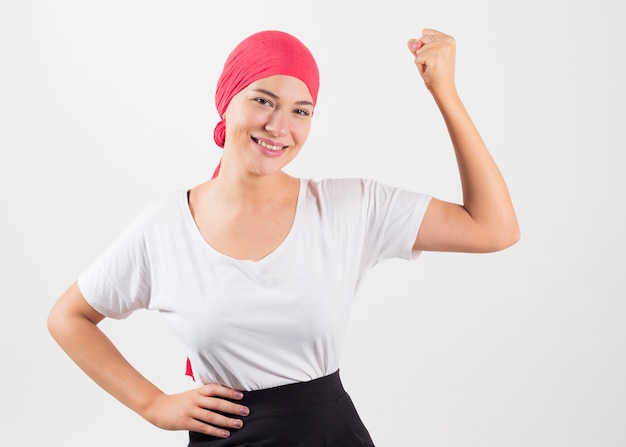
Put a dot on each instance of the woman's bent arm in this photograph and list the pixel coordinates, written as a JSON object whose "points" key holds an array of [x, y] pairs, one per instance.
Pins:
{"points": [[486, 221], [73, 324]]}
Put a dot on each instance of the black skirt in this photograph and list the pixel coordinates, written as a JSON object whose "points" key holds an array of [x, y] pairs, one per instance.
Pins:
{"points": [[318, 413]]}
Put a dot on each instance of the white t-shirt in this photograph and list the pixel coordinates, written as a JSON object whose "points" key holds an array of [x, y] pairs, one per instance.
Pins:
{"points": [[251, 325]]}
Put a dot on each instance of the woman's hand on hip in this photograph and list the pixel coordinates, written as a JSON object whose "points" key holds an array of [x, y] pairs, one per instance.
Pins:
{"points": [[197, 410]]}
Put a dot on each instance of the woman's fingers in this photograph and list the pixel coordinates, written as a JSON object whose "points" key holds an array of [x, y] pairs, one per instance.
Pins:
{"points": [[214, 411], [214, 424], [199, 426], [208, 409], [434, 54], [217, 419], [223, 406], [214, 389], [414, 45], [429, 36]]}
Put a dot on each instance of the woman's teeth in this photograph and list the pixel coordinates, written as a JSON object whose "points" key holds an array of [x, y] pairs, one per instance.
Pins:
{"points": [[269, 146]]}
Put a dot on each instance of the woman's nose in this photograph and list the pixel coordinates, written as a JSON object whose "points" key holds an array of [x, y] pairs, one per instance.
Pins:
{"points": [[277, 124]]}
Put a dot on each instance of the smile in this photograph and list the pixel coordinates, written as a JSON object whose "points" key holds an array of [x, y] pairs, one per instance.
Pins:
{"points": [[267, 145]]}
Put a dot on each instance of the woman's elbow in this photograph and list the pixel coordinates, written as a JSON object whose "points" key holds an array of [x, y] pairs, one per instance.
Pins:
{"points": [[56, 321], [505, 237], [68, 311]]}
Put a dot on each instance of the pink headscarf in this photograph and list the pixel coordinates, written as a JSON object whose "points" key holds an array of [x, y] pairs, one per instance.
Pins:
{"points": [[264, 54]]}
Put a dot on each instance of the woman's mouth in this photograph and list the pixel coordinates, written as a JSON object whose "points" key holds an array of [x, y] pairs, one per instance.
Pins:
{"points": [[268, 146]]}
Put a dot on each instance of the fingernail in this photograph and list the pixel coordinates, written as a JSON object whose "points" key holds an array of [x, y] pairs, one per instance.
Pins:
{"points": [[237, 424], [225, 433], [413, 45], [244, 411], [238, 395]]}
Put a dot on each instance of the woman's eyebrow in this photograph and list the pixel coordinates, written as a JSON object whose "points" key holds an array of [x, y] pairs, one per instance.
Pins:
{"points": [[275, 96]]}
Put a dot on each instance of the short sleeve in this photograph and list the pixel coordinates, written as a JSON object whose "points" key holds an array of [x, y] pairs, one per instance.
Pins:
{"points": [[392, 219], [118, 280]]}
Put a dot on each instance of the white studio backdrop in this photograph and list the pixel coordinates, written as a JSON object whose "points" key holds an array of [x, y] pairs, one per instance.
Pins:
{"points": [[104, 106]]}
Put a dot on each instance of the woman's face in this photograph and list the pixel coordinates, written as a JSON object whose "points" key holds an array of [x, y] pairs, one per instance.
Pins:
{"points": [[267, 123]]}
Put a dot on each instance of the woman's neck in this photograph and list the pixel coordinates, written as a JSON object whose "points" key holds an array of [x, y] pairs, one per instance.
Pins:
{"points": [[253, 190]]}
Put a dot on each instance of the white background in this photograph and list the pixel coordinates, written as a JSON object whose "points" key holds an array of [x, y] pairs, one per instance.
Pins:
{"points": [[104, 106]]}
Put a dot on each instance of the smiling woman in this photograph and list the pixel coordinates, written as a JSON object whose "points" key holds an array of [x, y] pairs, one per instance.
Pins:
{"points": [[274, 114], [256, 270]]}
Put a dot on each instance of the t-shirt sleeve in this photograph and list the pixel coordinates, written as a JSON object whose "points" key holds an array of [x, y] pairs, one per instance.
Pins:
{"points": [[392, 219], [118, 281]]}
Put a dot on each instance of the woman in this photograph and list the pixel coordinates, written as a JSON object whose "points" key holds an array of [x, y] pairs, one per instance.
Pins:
{"points": [[255, 270]]}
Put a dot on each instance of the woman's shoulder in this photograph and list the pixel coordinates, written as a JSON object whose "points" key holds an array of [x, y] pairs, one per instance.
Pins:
{"points": [[338, 184], [348, 187], [161, 210], [338, 193], [165, 203], [363, 191]]}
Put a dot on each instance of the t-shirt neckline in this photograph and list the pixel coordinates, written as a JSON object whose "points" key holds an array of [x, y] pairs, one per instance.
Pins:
{"points": [[193, 228]]}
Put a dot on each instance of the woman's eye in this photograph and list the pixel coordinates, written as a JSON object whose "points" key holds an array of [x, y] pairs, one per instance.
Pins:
{"points": [[302, 112], [263, 101]]}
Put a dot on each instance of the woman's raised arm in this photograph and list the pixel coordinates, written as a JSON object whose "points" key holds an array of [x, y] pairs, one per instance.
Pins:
{"points": [[486, 220]]}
